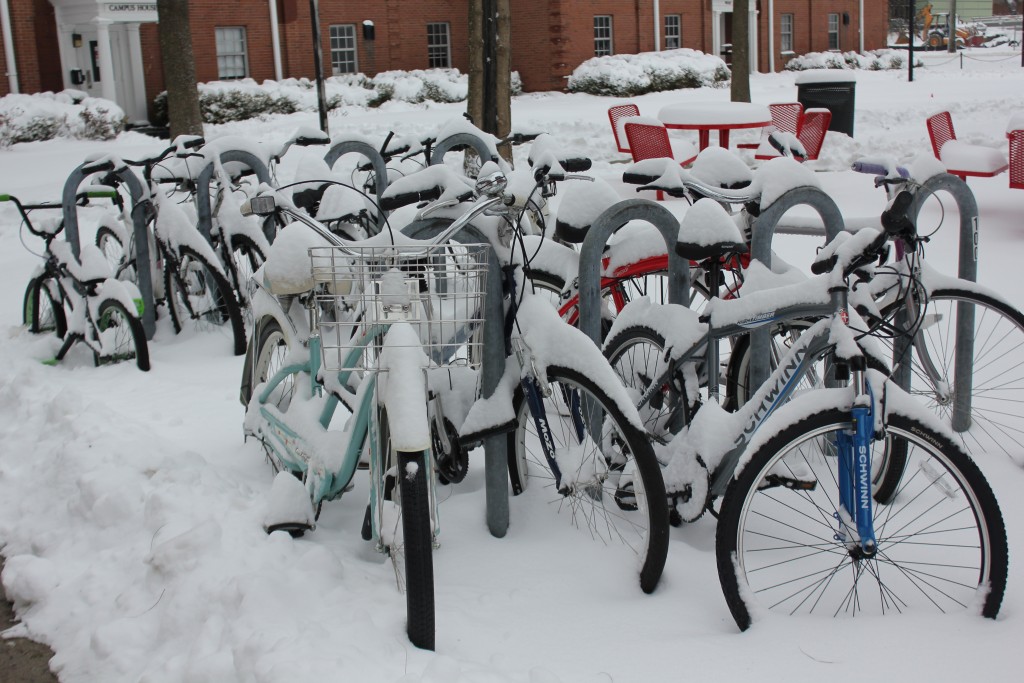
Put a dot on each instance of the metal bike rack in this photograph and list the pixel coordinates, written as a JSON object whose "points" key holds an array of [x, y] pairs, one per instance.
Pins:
{"points": [[203, 208], [495, 447], [380, 168], [762, 231], [610, 221], [963, 376], [458, 140], [141, 208]]}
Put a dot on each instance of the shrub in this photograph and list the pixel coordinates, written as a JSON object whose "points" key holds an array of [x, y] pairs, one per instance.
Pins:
{"points": [[875, 60], [44, 116], [628, 75]]}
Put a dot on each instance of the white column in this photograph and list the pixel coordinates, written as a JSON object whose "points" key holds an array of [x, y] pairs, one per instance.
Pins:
{"points": [[716, 33], [108, 88], [860, 22], [657, 27], [12, 62], [137, 75], [771, 36], [275, 40], [752, 30], [68, 61]]}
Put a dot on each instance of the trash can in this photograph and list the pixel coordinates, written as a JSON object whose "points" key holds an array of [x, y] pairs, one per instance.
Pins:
{"points": [[832, 89]]}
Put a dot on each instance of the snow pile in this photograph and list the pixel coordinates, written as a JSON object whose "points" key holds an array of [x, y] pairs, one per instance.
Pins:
{"points": [[626, 75], [69, 114], [875, 60]]}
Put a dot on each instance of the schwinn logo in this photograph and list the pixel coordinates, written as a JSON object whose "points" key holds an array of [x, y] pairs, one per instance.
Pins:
{"points": [[757, 320], [926, 436], [864, 474], [768, 402]]}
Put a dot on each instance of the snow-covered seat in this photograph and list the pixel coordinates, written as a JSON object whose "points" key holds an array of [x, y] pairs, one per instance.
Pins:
{"points": [[960, 158]]}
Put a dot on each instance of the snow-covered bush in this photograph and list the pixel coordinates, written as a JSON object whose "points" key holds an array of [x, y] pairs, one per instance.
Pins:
{"points": [[627, 75], [69, 113], [223, 101], [875, 60]]}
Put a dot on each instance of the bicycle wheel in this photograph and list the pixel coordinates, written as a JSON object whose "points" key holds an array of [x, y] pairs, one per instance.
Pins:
{"points": [[996, 422], [199, 296], [121, 336], [941, 541], [611, 487], [269, 352], [637, 356], [737, 372], [407, 533], [116, 254], [42, 310]]}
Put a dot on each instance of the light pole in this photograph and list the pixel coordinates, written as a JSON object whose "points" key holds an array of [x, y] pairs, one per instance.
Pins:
{"points": [[318, 65]]}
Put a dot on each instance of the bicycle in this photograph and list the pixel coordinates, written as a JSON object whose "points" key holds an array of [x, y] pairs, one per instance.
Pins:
{"points": [[194, 285], [80, 300], [623, 494], [801, 527]]}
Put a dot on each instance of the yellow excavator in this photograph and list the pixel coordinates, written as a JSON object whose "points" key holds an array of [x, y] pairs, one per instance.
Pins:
{"points": [[935, 29]]}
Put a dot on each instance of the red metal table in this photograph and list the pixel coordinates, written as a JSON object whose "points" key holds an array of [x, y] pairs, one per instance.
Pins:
{"points": [[705, 117]]}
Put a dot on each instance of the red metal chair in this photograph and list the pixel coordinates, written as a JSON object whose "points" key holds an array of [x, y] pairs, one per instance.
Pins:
{"points": [[1017, 159], [649, 140], [786, 116], [960, 158], [614, 114], [813, 126]]}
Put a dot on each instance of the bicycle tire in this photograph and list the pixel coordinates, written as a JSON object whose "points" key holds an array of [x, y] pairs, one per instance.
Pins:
{"points": [[244, 259], [116, 254], [40, 311], [122, 334], [637, 356], [636, 517], [197, 291], [269, 351], [763, 522], [410, 542], [998, 380]]}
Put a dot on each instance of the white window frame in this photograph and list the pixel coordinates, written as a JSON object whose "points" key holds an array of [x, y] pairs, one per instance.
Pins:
{"points": [[786, 33], [439, 45], [673, 31], [344, 49], [604, 35], [833, 31], [232, 52]]}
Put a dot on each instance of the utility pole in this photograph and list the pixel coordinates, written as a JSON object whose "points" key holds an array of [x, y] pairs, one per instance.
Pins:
{"points": [[951, 28], [318, 64]]}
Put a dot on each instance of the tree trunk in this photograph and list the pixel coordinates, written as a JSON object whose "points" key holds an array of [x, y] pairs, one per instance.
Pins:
{"points": [[179, 68], [740, 89], [489, 103]]}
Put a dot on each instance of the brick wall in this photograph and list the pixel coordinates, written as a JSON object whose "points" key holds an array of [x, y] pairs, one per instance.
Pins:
{"points": [[35, 46]]}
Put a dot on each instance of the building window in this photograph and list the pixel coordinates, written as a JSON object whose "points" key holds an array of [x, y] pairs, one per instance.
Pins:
{"points": [[786, 29], [672, 32], [833, 31], [603, 35], [343, 49], [232, 59], [439, 54]]}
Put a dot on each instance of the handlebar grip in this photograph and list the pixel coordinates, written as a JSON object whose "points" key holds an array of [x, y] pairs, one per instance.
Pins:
{"points": [[576, 164], [392, 202], [191, 142], [877, 169]]}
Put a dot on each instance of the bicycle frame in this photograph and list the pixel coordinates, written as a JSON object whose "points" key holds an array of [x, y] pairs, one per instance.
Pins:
{"points": [[294, 450]]}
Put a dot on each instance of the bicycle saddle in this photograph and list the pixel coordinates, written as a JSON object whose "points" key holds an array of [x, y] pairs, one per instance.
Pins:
{"points": [[708, 231]]}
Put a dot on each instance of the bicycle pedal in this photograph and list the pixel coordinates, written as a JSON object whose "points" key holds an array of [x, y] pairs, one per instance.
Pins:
{"points": [[367, 530], [52, 362], [294, 529]]}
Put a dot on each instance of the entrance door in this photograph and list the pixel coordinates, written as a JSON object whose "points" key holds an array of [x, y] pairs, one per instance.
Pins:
{"points": [[87, 61]]}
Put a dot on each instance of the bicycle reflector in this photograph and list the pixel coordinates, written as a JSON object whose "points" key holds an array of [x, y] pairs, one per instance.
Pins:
{"points": [[264, 205]]}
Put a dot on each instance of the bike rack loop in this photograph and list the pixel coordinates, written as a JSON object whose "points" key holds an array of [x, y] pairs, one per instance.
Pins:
{"points": [[762, 231], [963, 378], [611, 220], [203, 209], [457, 140], [380, 168], [495, 447], [140, 206]]}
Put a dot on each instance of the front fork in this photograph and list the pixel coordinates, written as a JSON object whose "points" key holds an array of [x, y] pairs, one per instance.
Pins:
{"points": [[855, 514]]}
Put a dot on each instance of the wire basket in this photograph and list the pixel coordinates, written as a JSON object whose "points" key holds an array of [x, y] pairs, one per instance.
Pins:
{"points": [[439, 293]]}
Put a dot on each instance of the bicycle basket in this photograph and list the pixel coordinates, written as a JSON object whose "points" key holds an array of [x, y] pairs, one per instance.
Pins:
{"points": [[360, 289]]}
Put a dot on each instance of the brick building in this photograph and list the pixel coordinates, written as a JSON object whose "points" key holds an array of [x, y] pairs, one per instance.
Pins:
{"points": [[56, 44]]}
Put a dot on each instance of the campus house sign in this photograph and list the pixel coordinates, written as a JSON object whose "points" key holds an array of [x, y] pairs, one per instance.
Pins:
{"points": [[128, 11]]}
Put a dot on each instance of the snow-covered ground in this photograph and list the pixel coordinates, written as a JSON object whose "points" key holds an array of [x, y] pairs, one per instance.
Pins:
{"points": [[131, 509]]}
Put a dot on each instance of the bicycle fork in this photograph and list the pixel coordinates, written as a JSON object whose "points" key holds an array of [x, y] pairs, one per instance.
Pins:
{"points": [[855, 515]]}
